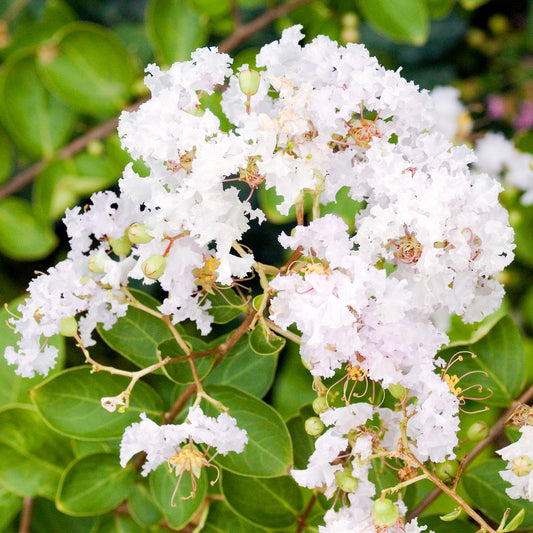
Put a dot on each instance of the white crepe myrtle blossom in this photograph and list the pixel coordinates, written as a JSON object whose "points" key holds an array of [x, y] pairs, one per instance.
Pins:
{"points": [[519, 471], [164, 443]]}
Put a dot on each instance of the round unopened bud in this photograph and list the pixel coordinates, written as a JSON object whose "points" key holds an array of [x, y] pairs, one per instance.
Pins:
{"points": [[249, 81], [447, 470], [68, 326], [137, 234], [522, 465], [314, 426], [398, 391], [385, 513], [345, 479], [478, 431], [96, 263], [320, 405], [154, 266], [120, 246]]}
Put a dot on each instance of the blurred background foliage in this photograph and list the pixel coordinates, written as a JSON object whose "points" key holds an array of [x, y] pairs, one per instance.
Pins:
{"points": [[68, 67]]}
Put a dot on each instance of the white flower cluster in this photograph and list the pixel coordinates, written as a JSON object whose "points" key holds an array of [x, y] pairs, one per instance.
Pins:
{"points": [[430, 240], [519, 471]]}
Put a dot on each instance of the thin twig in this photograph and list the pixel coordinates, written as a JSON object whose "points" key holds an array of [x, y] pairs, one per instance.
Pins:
{"points": [[493, 434], [25, 517], [302, 519], [242, 33]]}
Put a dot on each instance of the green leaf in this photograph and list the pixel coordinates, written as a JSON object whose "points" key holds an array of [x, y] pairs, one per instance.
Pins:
{"points": [[439, 8], [515, 522], [276, 502], [116, 523], [344, 206], [93, 485], [225, 305], [50, 520], [10, 505], [32, 457], [244, 369], [268, 452], [181, 372], [37, 122], [434, 523], [70, 403], [6, 156], [499, 353], [22, 236], [265, 342], [293, 386], [269, 201], [13, 388], [137, 335], [87, 67], [142, 506], [213, 8], [402, 20], [63, 182], [221, 519], [485, 486], [162, 485], [88, 447], [175, 29]]}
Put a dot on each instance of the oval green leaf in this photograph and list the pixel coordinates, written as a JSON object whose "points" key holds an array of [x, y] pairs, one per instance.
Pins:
{"points": [[162, 485], [268, 502], [52, 521], [485, 486], [137, 335], [142, 505], [22, 236], [116, 523], [32, 456], [401, 20], [225, 305], [88, 68], [37, 122], [265, 342], [10, 505], [93, 485], [246, 370], [70, 403], [175, 29], [268, 452], [6, 156]]}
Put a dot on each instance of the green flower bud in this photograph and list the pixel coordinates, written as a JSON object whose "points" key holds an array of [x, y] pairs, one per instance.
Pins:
{"points": [[478, 431], [398, 391], [522, 465], [137, 234], [68, 326], [154, 266], [314, 426], [345, 479], [447, 470], [120, 246], [385, 513], [96, 263], [249, 81], [320, 405]]}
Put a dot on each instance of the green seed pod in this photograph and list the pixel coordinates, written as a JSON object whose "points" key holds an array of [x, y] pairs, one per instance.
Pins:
{"points": [[120, 246], [478, 431], [154, 266], [385, 513], [320, 405], [447, 470], [314, 426], [68, 326], [345, 479], [249, 81], [137, 234], [398, 391]]}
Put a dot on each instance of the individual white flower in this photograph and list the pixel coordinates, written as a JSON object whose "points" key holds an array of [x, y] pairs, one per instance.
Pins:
{"points": [[164, 443], [519, 470]]}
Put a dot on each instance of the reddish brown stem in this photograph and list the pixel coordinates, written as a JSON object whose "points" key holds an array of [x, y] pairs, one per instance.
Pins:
{"points": [[26, 515]]}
